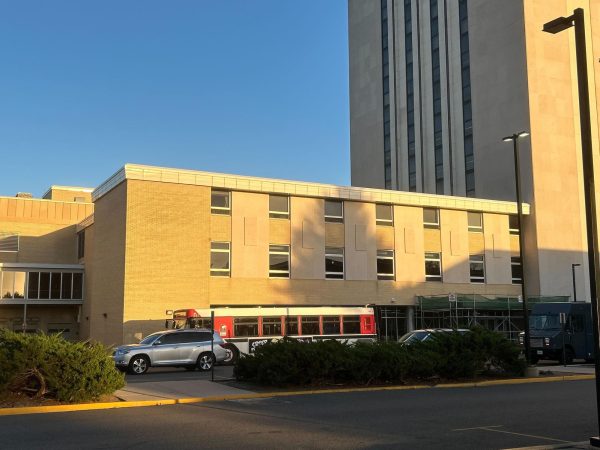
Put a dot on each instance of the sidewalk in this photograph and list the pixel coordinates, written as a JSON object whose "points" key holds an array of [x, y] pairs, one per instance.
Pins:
{"points": [[176, 389], [573, 368]]}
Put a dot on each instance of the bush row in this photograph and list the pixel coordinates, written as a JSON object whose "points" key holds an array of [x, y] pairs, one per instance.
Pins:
{"points": [[448, 356], [48, 365]]}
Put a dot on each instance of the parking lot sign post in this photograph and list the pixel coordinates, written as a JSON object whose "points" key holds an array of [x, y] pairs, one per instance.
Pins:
{"points": [[212, 344]]}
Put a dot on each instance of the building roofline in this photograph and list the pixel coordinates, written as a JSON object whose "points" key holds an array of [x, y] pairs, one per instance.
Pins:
{"points": [[300, 189], [68, 188], [36, 199]]}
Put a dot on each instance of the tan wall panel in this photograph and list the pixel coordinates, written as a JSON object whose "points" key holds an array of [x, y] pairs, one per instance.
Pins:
{"points": [[476, 244], [432, 240], [455, 255], [334, 234], [67, 195], [336, 292], [40, 211], [279, 231], [308, 239], [514, 245], [42, 243], [250, 235], [497, 253], [220, 228], [410, 245], [107, 295], [360, 239], [385, 238]]}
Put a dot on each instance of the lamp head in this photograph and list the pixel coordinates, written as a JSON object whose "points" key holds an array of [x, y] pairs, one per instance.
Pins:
{"points": [[559, 24]]}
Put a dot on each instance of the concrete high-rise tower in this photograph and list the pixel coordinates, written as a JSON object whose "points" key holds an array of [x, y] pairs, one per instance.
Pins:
{"points": [[436, 84]]}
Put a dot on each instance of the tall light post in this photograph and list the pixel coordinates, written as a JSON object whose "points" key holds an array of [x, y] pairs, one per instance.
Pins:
{"points": [[577, 20], [574, 281], [515, 140]]}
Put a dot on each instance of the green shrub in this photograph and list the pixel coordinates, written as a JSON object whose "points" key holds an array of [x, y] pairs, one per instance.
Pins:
{"points": [[72, 371], [446, 355]]}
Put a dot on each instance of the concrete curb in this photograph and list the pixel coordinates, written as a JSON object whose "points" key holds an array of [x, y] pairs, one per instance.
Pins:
{"points": [[220, 398]]}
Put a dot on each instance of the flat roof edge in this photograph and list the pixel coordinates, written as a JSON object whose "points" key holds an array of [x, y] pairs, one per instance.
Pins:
{"points": [[301, 189]]}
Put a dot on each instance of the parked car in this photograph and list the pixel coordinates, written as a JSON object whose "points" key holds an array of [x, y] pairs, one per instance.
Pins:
{"points": [[172, 348], [422, 335]]}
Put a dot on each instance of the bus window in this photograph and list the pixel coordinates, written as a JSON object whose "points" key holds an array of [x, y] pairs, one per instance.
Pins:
{"points": [[351, 324], [331, 325], [271, 326], [197, 322], [291, 324], [310, 325], [245, 326]]}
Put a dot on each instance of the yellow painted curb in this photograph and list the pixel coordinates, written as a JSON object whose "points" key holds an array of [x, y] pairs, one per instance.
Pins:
{"points": [[220, 398]]}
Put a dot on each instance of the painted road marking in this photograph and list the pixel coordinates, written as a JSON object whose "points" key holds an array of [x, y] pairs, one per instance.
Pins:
{"points": [[494, 429]]}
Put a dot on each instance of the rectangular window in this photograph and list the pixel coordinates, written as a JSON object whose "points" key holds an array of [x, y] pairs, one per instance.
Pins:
{"points": [[220, 202], [81, 244], [513, 224], [475, 222], [34, 285], [245, 326], [433, 266], [334, 263], [279, 261], [77, 286], [8, 282], [477, 268], [516, 270], [310, 326], [12, 284], [220, 259], [384, 215], [331, 325], [431, 218], [44, 285], [334, 211], [385, 264], [55, 285], [291, 325], [271, 326], [9, 242], [67, 283], [279, 207], [351, 324]]}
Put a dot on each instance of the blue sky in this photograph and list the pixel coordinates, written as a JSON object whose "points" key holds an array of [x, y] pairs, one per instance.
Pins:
{"points": [[255, 87]]}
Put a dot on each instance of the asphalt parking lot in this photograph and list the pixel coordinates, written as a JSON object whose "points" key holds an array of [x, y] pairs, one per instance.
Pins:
{"points": [[154, 374], [495, 417]]}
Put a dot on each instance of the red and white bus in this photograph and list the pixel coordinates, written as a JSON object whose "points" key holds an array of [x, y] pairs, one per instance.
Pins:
{"points": [[248, 328]]}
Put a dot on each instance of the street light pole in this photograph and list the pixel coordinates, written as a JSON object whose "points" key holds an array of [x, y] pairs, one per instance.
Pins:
{"points": [[574, 283], [557, 25], [515, 140]]}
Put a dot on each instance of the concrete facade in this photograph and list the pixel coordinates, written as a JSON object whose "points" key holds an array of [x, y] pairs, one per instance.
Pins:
{"points": [[519, 79]]}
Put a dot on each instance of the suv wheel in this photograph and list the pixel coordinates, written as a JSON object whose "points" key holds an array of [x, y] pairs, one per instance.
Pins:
{"points": [[139, 365], [232, 353], [205, 361]]}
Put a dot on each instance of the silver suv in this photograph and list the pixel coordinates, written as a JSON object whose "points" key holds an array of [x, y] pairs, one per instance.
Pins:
{"points": [[174, 348]]}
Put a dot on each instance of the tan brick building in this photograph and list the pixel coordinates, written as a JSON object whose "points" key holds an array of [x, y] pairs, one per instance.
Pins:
{"points": [[148, 249], [41, 278], [157, 239]]}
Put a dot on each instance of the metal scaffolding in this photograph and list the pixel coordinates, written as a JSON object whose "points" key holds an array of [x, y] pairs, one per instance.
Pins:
{"points": [[501, 314]]}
